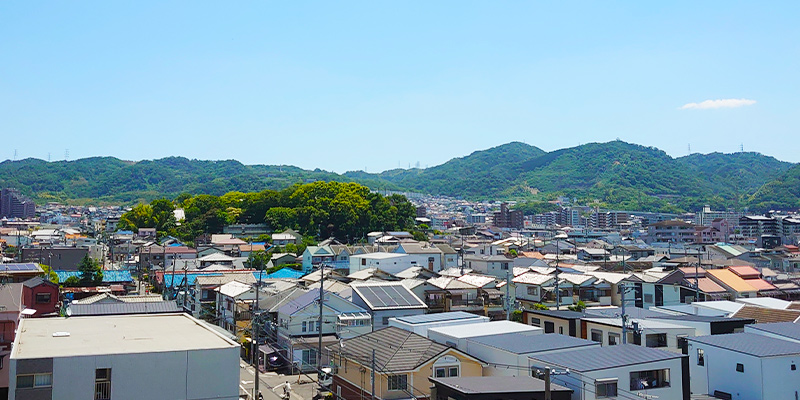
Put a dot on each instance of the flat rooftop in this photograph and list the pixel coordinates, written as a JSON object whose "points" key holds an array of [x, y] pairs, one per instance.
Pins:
{"points": [[104, 335], [485, 329]]}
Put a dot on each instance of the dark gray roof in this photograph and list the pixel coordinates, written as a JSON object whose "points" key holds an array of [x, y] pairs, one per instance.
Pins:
{"points": [[395, 349], [702, 318], [632, 312], [497, 384], [36, 281], [564, 314], [156, 307], [787, 329], [438, 317], [521, 344], [750, 343], [593, 359]]}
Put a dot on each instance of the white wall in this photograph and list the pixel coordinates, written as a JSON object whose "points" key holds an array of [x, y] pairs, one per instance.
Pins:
{"points": [[583, 383], [719, 373], [422, 329]]}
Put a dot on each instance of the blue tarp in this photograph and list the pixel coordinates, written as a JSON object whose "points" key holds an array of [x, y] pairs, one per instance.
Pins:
{"points": [[178, 279], [284, 273], [108, 276]]}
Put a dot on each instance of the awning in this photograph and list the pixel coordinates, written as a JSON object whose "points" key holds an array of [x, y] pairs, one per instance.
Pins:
{"points": [[493, 292]]}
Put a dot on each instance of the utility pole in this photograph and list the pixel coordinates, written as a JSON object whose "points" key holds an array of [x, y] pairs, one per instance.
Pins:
{"points": [[319, 327], [548, 395], [508, 296], [256, 351], [697, 277], [624, 316], [372, 375]]}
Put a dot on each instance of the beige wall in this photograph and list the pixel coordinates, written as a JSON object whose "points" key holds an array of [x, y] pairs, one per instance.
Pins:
{"points": [[558, 322], [418, 380]]}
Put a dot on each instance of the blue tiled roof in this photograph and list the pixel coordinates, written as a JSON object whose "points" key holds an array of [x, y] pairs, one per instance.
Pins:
{"points": [[108, 276]]}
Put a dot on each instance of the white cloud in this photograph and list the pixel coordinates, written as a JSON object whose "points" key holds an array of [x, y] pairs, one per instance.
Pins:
{"points": [[721, 103]]}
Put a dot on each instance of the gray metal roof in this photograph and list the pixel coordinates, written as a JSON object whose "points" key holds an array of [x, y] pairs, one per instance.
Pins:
{"points": [[497, 384], [750, 343], [607, 357], [702, 318], [438, 317], [564, 314], [787, 329], [521, 344], [396, 349], [157, 307]]}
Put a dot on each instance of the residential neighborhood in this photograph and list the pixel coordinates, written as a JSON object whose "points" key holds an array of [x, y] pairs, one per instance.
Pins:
{"points": [[648, 307]]}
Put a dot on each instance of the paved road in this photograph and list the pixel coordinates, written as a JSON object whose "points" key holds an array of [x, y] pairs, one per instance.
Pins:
{"points": [[302, 387]]}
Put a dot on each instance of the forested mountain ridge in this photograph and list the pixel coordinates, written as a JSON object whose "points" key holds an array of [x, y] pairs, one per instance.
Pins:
{"points": [[613, 174]]}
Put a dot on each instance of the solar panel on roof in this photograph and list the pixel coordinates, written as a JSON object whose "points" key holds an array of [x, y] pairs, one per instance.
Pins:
{"points": [[19, 267], [388, 296]]}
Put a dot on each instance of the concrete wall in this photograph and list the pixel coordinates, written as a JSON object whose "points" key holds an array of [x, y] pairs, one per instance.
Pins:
{"points": [[195, 374]]}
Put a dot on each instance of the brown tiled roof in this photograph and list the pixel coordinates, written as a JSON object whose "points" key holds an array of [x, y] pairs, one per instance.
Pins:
{"points": [[767, 315]]}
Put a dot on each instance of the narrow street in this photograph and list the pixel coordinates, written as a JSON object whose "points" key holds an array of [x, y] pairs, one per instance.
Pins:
{"points": [[302, 390]]}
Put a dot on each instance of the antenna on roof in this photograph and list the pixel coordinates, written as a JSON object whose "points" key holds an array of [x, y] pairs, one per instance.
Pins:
{"points": [[15, 154], [741, 147], [66, 155], [690, 148]]}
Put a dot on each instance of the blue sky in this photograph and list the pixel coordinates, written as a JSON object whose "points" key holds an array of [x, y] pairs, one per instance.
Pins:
{"points": [[353, 85]]}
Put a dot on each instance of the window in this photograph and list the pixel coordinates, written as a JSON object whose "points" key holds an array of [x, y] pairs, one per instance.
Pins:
{"points": [[701, 357], [549, 327], [656, 340], [34, 381], [536, 322], [739, 367], [363, 261], [605, 388], [793, 367], [613, 338], [42, 298], [309, 356], [652, 379], [533, 291], [648, 298], [398, 382], [385, 320], [102, 384], [446, 372], [304, 326], [561, 330], [597, 335]]}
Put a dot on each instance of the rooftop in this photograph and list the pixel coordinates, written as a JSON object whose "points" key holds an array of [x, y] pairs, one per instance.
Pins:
{"points": [[787, 329], [767, 315], [395, 349], [750, 343], [92, 336], [497, 384], [597, 358], [517, 344], [484, 329], [438, 317]]}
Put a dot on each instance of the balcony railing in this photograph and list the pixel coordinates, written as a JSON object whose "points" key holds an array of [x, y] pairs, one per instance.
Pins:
{"points": [[102, 391]]}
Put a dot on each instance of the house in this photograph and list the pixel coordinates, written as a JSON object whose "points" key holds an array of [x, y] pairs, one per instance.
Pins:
{"points": [[508, 354], [403, 362], [495, 265], [767, 315], [530, 287], [733, 283], [233, 304], [11, 308], [299, 326], [392, 263], [744, 366], [314, 256], [93, 357], [386, 300], [708, 325], [457, 336], [624, 371], [423, 254], [163, 256], [674, 231], [779, 330], [40, 295], [20, 272], [204, 291], [496, 387], [564, 322], [420, 324], [646, 332], [286, 237]]}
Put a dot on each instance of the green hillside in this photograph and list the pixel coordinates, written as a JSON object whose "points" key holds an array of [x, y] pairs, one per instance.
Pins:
{"points": [[614, 174]]}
